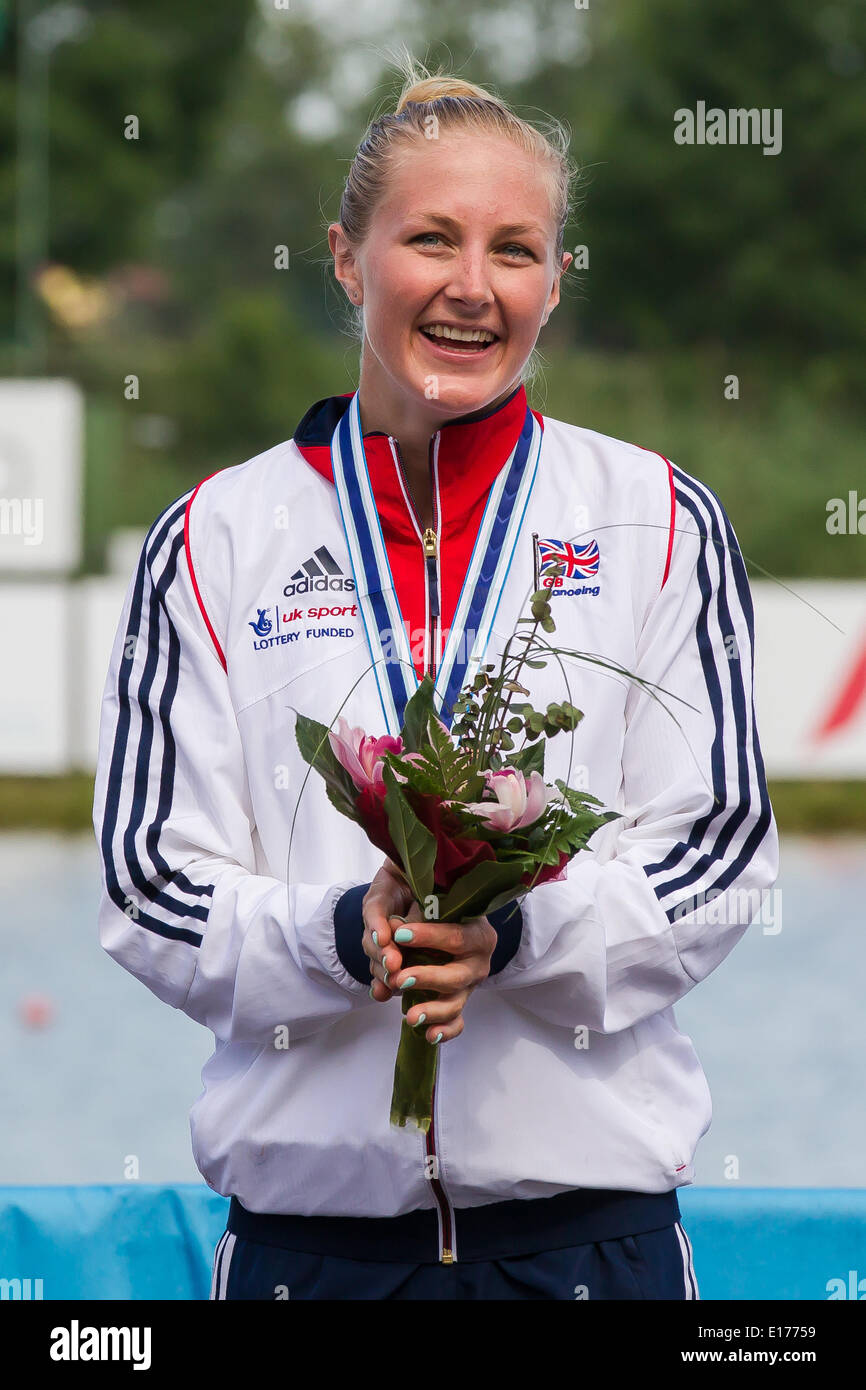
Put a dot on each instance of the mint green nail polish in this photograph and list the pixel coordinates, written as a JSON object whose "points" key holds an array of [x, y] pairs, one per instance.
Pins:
{"points": [[375, 938], [404, 934], [372, 995], [386, 977], [438, 1038], [422, 1019], [407, 983]]}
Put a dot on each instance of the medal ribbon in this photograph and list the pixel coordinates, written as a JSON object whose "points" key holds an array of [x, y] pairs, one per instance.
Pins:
{"points": [[483, 586]]}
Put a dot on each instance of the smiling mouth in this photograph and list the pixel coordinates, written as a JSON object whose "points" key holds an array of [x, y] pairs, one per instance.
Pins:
{"points": [[466, 340]]}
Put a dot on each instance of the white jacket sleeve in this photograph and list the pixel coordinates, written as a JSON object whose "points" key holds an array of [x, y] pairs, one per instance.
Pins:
{"points": [[182, 907], [629, 932]]}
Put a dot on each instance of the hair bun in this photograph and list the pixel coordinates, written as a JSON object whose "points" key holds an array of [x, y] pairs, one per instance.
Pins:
{"points": [[425, 89]]}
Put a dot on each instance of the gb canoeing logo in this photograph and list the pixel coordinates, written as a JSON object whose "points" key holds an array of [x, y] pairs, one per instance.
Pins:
{"points": [[572, 561]]}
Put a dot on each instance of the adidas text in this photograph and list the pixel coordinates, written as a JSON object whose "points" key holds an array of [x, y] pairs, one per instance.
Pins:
{"points": [[324, 582]]}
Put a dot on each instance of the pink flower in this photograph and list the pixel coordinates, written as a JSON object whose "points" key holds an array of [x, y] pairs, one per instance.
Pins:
{"points": [[361, 755], [519, 801]]}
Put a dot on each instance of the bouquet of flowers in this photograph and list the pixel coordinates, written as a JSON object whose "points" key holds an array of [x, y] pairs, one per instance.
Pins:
{"points": [[465, 814]]}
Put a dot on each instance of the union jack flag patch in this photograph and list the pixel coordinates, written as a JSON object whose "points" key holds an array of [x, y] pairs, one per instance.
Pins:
{"points": [[580, 561]]}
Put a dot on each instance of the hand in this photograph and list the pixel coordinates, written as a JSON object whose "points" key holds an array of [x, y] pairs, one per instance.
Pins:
{"points": [[468, 948]]}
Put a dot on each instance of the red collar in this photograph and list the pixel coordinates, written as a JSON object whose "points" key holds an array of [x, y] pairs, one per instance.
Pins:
{"points": [[471, 451], [470, 455]]}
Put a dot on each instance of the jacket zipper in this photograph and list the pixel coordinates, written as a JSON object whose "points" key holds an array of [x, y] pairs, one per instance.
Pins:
{"points": [[430, 545], [429, 539]]}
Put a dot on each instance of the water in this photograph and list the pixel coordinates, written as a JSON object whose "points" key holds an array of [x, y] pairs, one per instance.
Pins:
{"points": [[780, 1028]]}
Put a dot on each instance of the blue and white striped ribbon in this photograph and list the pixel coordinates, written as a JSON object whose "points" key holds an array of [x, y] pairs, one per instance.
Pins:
{"points": [[491, 559]]}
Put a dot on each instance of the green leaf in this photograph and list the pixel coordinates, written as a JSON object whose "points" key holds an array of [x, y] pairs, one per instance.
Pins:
{"points": [[412, 840], [509, 896], [530, 759], [452, 766], [416, 716], [315, 749], [577, 799], [472, 895], [342, 802], [421, 776], [314, 744]]}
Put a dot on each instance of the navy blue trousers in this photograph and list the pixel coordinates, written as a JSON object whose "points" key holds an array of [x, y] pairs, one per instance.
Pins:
{"points": [[655, 1264]]}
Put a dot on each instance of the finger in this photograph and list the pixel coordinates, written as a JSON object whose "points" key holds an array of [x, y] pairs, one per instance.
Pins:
{"points": [[436, 1029], [380, 992], [439, 1036], [440, 936], [446, 979], [436, 1013], [374, 911], [385, 895], [379, 925], [387, 965]]}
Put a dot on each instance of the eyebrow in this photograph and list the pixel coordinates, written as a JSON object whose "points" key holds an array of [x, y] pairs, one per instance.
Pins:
{"points": [[512, 229]]}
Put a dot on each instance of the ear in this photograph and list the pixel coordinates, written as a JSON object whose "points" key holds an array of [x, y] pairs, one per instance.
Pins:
{"points": [[346, 268], [553, 297]]}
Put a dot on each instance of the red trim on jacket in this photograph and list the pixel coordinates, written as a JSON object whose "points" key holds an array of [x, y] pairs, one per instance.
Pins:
{"points": [[673, 510], [673, 517], [191, 568]]}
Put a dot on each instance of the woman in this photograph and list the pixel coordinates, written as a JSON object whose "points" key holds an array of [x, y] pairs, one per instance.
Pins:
{"points": [[400, 532]]}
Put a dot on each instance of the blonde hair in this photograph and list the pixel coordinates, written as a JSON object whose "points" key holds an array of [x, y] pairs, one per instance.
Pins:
{"points": [[440, 100]]}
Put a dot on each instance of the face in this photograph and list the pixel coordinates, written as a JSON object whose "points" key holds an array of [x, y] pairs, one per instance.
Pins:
{"points": [[462, 240]]}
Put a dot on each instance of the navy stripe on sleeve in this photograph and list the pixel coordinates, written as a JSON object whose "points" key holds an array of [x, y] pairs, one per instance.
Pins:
{"points": [[146, 758], [713, 833]]}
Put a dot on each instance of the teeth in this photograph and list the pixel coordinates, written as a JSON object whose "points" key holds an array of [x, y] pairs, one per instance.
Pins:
{"points": [[463, 335]]}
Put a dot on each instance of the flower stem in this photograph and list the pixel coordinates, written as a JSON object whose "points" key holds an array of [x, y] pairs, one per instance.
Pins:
{"points": [[416, 1064]]}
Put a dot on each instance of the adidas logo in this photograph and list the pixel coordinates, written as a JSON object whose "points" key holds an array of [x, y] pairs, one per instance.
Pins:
{"points": [[318, 574]]}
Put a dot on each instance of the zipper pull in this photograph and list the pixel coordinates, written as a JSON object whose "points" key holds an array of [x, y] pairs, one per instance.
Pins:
{"points": [[429, 541]]}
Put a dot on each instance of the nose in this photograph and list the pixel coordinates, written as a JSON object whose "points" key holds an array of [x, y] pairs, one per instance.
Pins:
{"points": [[469, 280]]}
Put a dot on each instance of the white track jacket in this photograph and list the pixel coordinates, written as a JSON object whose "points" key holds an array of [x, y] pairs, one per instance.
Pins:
{"points": [[244, 607]]}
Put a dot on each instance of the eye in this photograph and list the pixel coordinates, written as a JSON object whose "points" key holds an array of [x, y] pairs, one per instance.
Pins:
{"points": [[425, 236], [513, 246]]}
